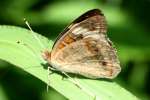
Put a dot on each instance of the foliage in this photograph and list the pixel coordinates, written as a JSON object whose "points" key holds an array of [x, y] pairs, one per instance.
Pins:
{"points": [[21, 49], [127, 28]]}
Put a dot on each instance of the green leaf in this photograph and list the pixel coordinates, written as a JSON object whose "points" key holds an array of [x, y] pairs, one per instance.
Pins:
{"points": [[19, 47], [3, 95]]}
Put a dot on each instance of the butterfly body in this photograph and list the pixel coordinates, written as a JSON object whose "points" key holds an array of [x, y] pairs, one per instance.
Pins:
{"points": [[84, 48]]}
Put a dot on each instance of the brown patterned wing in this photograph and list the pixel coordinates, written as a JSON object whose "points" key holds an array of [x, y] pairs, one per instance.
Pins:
{"points": [[83, 48], [91, 23], [91, 13]]}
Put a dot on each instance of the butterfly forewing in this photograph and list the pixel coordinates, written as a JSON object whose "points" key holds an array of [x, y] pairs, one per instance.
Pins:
{"points": [[83, 48], [92, 22]]}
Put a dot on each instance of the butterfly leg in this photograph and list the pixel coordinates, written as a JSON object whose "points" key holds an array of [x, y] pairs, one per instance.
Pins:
{"points": [[73, 80], [49, 71], [48, 77], [76, 83]]}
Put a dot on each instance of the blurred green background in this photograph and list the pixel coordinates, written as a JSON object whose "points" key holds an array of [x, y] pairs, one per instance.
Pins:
{"points": [[128, 27]]}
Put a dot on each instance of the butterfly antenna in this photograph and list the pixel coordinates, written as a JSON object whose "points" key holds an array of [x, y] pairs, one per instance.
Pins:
{"points": [[34, 35]]}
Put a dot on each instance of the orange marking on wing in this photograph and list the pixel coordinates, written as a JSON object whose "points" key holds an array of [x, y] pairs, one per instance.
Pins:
{"points": [[68, 39], [111, 72], [110, 69], [61, 45]]}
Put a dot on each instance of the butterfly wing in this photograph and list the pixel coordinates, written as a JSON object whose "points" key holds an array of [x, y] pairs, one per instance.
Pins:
{"points": [[83, 48], [83, 17]]}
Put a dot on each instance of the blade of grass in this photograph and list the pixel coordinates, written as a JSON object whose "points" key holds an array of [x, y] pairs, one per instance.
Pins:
{"points": [[18, 47]]}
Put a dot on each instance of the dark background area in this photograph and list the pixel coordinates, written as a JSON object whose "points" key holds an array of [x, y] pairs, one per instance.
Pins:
{"points": [[128, 27]]}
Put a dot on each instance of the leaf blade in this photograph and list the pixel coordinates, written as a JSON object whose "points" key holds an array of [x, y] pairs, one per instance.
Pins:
{"points": [[19, 47]]}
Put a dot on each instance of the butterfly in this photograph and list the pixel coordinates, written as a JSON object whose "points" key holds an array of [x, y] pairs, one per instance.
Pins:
{"points": [[83, 48]]}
